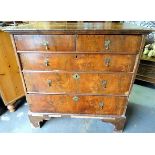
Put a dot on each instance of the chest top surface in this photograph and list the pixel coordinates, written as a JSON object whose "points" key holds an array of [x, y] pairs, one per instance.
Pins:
{"points": [[77, 28]]}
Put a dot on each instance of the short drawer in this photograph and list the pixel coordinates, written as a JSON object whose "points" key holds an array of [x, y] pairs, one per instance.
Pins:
{"points": [[109, 43], [102, 105], [78, 62], [45, 42], [83, 83]]}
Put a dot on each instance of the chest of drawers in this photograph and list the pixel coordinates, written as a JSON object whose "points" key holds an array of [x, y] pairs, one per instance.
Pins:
{"points": [[78, 70]]}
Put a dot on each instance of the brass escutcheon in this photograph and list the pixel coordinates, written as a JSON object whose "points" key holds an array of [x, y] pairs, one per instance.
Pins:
{"points": [[75, 98], [76, 76]]}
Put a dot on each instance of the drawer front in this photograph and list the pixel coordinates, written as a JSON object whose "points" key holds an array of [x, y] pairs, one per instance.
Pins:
{"points": [[78, 62], [109, 43], [45, 42], [93, 83], [103, 105]]}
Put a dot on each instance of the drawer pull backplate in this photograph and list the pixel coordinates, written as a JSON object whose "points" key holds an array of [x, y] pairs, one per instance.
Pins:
{"points": [[107, 44]]}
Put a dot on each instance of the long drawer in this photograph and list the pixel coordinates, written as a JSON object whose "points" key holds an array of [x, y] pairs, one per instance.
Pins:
{"points": [[78, 62], [82, 43], [67, 82], [77, 104]]}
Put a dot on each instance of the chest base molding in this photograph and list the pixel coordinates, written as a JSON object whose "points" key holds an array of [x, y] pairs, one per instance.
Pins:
{"points": [[37, 119]]}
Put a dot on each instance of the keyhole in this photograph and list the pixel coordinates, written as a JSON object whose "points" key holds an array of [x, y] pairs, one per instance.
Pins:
{"points": [[76, 56], [76, 76]]}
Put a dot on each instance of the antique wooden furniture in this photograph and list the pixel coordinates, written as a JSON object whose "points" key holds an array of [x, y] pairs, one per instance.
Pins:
{"points": [[146, 70], [78, 69], [11, 87]]}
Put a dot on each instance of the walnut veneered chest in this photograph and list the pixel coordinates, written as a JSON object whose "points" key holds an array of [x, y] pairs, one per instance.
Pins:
{"points": [[78, 69]]}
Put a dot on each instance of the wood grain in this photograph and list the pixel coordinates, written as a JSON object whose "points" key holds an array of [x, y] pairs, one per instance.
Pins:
{"points": [[77, 28], [87, 69], [146, 73], [118, 43], [11, 88], [85, 105], [35, 42], [87, 83], [78, 62]]}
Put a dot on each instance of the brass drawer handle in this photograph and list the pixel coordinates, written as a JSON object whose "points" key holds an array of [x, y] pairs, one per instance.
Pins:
{"points": [[45, 43], [101, 105], [49, 82], [75, 98], [76, 76], [104, 83], [107, 62], [107, 44], [46, 62]]}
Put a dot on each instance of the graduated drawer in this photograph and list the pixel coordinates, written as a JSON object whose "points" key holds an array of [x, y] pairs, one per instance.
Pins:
{"points": [[78, 62], [45, 42], [109, 43], [102, 105], [93, 83]]}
